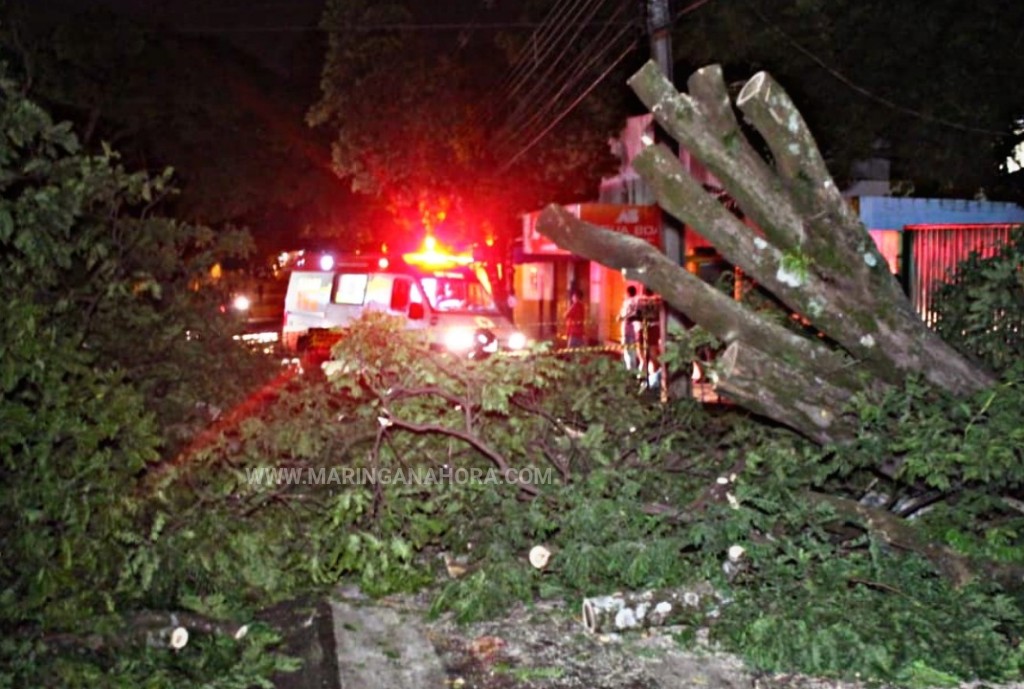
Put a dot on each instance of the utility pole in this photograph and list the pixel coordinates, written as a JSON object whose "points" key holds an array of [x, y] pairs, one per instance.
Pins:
{"points": [[659, 29], [658, 17]]}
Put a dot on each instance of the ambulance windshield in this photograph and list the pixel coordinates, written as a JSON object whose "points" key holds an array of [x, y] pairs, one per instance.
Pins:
{"points": [[456, 291]]}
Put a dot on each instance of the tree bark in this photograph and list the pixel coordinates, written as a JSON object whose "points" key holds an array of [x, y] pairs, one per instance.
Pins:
{"points": [[808, 248], [834, 274], [896, 532], [788, 392], [809, 383], [155, 629], [723, 317]]}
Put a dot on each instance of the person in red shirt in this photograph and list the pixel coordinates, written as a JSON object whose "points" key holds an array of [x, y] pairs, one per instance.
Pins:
{"points": [[575, 318]]}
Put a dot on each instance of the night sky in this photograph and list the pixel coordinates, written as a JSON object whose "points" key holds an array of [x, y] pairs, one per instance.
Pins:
{"points": [[270, 30]]}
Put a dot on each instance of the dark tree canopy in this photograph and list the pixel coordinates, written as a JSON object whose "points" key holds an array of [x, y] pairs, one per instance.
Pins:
{"points": [[231, 128], [931, 85], [927, 86], [414, 115]]}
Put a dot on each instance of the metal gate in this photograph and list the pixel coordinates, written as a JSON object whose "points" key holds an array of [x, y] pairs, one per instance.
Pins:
{"points": [[933, 252]]}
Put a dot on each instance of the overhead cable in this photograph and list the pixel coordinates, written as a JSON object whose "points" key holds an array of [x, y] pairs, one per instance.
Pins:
{"points": [[558, 36], [570, 108], [548, 93]]}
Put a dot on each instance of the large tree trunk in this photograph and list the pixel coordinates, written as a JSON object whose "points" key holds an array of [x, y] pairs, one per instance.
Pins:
{"points": [[808, 249]]}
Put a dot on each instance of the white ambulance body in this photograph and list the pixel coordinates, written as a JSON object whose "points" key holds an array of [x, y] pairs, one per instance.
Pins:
{"points": [[445, 299]]}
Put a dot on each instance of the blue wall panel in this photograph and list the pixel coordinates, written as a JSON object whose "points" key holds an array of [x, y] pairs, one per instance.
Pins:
{"points": [[893, 213]]}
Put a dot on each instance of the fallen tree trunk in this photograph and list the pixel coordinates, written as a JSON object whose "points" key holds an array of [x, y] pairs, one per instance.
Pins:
{"points": [[723, 317], [806, 373], [621, 612], [808, 249], [821, 250], [770, 387], [155, 629]]}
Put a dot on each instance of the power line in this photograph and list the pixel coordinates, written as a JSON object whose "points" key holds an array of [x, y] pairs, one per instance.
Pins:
{"points": [[559, 21], [571, 107], [551, 93], [251, 7], [550, 22], [544, 79], [542, 51], [690, 8], [556, 93], [530, 78]]}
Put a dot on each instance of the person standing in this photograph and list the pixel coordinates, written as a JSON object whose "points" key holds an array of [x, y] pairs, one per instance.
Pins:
{"points": [[575, 320], [650, 338], [628, 318]]}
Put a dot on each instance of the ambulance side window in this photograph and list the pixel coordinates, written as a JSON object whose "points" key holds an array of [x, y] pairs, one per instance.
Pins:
{"points": [[308, 293], [351, 288], [378, 292]]}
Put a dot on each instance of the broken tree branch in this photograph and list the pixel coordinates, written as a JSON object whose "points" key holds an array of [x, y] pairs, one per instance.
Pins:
{"points": [[898, 533]]}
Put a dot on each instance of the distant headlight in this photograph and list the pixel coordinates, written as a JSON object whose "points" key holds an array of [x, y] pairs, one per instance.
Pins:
{"points": [[241, 303], [459, 339], [516, 341]]}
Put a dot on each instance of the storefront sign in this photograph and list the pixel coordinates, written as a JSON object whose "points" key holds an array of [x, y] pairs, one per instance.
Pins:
{"points": [[643, 222]]}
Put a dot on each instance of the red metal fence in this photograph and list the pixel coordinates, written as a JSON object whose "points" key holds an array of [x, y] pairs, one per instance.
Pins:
{"points": [[932, 253]]}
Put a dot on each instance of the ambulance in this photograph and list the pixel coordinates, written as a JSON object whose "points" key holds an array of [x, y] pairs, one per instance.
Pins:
{"points": [[433, 291]]}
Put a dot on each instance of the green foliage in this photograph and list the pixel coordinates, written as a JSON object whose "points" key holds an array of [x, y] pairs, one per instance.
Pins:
{"points": [[805, 599], [981, 309], [208, 661], [98, 374], [302, 476], [601, 545], [351, 474], [872, 614]]}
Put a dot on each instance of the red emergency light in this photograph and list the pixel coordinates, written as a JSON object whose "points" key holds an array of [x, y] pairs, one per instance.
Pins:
{"points": [[432, 255]]}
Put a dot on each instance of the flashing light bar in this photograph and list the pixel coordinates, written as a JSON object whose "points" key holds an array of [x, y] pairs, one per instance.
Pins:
{"points": [[434, 256]]}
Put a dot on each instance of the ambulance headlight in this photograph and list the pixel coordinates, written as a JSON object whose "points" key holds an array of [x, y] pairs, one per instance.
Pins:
{"points": [[516, 341], [459, 339], [241, 303]]}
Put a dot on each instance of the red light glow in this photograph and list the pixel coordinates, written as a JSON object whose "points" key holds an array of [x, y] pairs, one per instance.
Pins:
{"points": [[434, 255]]}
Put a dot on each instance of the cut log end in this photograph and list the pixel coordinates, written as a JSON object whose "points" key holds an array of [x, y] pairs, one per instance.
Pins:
{"points": [[540, 556], [589, 616], [752, 89], [179, 638]]}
